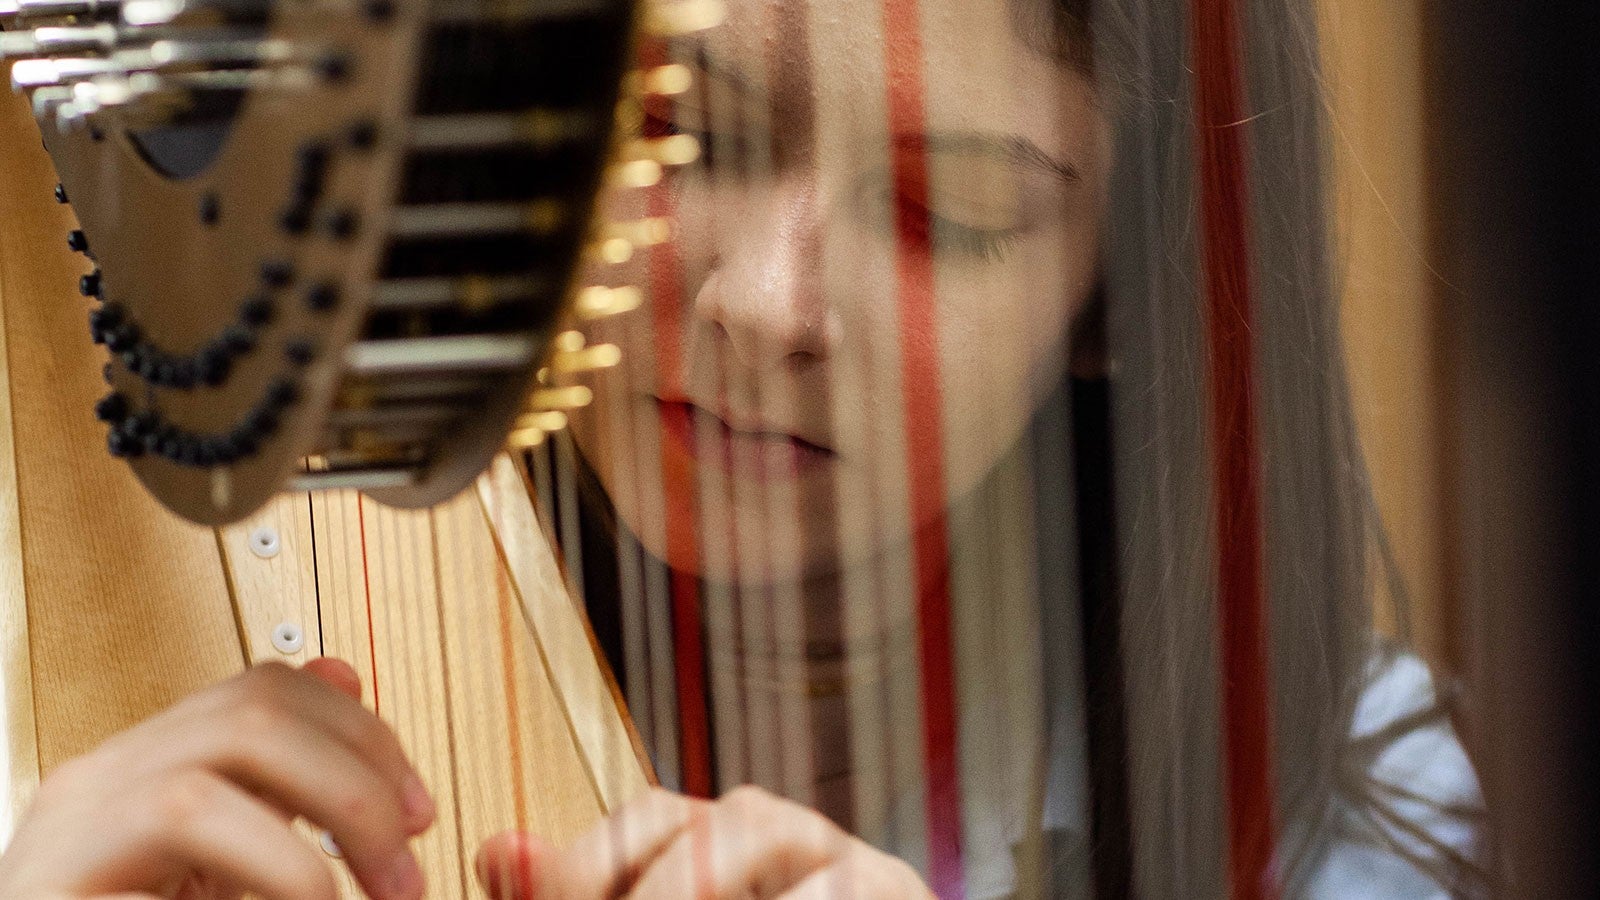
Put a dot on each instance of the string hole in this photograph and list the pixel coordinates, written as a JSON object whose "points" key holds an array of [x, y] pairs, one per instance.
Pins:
{"points": [[288, 638], [264, 542]]}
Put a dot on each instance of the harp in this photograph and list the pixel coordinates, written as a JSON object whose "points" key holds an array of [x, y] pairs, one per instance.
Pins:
{"points": [[401, 157], [981, 468]]}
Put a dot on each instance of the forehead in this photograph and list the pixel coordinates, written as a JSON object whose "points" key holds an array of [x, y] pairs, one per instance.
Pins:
{"points": [[983, 66]]}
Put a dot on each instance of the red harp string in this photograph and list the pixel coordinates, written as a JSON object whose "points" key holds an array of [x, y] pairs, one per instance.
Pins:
{"points": [[1235, 449], [925, 447], [678, 484]]}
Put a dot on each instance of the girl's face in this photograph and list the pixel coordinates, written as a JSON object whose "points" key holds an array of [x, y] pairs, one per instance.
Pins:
{"points": [[868, 288]]}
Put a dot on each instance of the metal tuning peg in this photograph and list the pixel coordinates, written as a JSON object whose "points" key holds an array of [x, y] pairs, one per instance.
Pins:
{"points": [[641, 232], [13, 12], [562, 399], [668, 80], [173, 12], [227, 51], [49, 40], [588, 359], [163, 56], [143, 91], [675, 18], [532, 429], [45, 100], [600, 302], [36, 73], [145, 99]]}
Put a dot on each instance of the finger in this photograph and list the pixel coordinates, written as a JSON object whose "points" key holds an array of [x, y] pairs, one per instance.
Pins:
{"points": [[310, 697], [752, 844], [206, 886], [336, 672], [863, 874], [304, 773], [602, 863], [199, 820], [517, 866], [835, 882]]}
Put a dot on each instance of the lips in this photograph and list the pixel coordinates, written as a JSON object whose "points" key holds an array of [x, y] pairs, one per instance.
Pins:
{"points": [[745, 450]]}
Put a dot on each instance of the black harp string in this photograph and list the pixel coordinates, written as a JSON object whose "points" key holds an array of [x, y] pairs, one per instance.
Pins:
{"points": [[569, 532], [1110, 828]]}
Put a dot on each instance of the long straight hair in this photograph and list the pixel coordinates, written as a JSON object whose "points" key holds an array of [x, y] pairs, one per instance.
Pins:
{"points": [[1319, 516]]}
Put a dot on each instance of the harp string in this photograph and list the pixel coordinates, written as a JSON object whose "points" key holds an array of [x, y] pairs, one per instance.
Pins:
{"points": [[924, 429], [737, 584]]}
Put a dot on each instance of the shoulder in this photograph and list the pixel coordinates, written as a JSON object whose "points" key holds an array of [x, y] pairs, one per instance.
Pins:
{"points": [[1416, 809]]}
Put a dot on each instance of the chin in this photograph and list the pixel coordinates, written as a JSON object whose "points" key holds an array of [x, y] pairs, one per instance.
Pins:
{"points": [[818, 560]]}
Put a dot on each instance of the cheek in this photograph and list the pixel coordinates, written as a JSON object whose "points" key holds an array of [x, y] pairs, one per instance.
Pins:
{"points": [[1002, 344]]}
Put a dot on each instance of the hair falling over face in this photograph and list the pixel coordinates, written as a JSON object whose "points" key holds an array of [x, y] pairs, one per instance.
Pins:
{"points": [[981, 469]]}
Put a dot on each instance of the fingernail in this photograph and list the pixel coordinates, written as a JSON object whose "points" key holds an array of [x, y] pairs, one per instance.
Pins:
{"points": [[405, 877], [417, 801]]}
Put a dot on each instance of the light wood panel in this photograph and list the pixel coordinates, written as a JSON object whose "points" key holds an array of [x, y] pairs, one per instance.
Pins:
{"points": [[272, 576], [609, 745], [114, 583], [19, 758]]}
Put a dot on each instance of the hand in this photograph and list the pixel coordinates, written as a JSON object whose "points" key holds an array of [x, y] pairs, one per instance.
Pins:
{"points": [[749, 844], [197, 801]]}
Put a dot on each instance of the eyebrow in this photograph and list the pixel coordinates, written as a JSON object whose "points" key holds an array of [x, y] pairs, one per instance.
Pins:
{"points": [[1014, 148]]}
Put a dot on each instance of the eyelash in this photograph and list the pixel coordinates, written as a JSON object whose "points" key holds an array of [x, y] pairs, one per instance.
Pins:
{"points": [[941, 234]]}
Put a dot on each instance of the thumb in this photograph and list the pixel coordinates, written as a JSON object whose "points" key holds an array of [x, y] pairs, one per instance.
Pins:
{"points": [[337, 673], [514, 865]]}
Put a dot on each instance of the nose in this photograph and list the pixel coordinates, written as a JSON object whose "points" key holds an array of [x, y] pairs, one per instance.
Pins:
{"points": [[762, 294]]}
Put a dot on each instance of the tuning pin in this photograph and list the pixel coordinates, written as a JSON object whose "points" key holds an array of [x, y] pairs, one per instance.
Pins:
{"points": [[230, 50], [666, 81], [46, 99], [676, 150], [35, 73], [588, 359], [16, 10], [613, 251], [106, 92], [674, 18], [637, 173], [532, 429], [599, 302], [74, 39], [562, 398], [550, 420], [641, 232], [526, 439], [569, 342], [17, 45], [572, 355], [162, 12], [144, 99]]}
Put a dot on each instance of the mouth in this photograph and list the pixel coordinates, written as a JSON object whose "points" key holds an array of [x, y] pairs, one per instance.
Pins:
{"points": [[748, 450]]}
